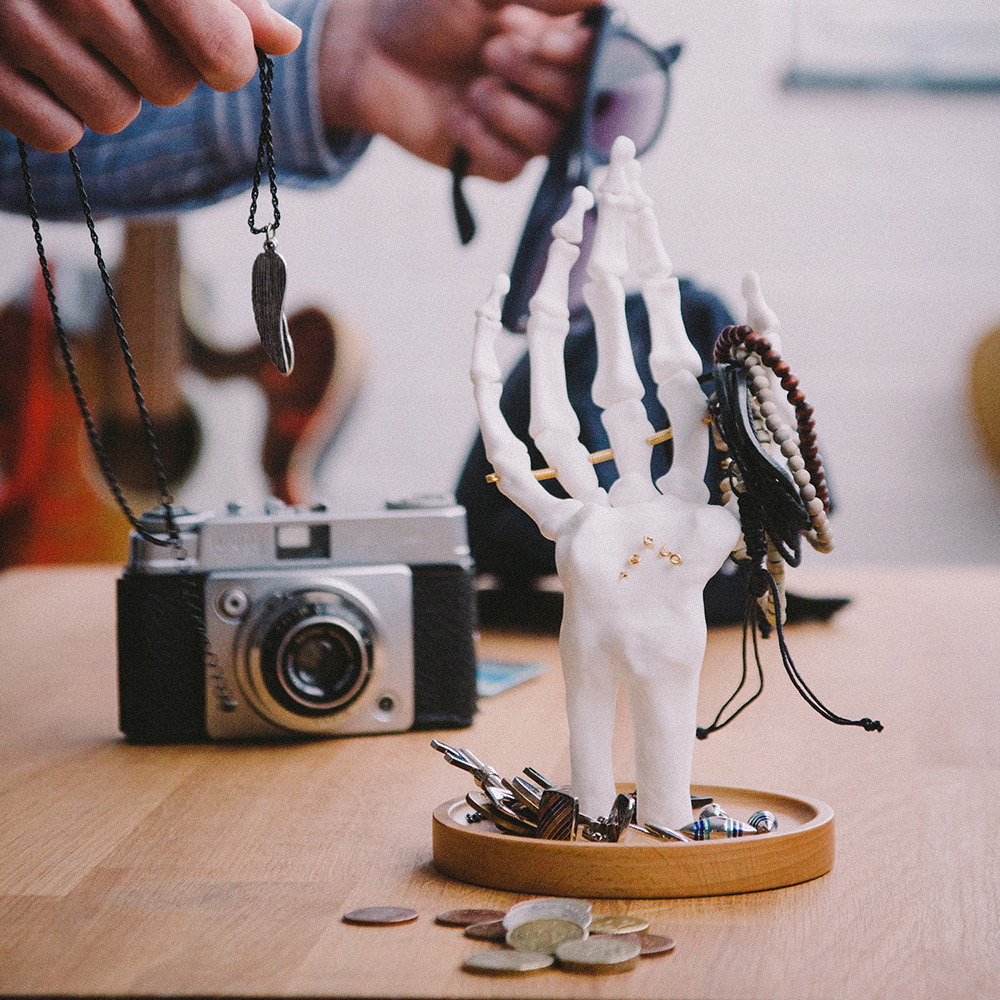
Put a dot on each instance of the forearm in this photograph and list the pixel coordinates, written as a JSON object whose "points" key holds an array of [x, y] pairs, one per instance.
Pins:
{"points": [[200, 151]]}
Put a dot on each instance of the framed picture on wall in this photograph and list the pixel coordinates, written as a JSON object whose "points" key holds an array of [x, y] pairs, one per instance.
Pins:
{"points": [[896, 44]]}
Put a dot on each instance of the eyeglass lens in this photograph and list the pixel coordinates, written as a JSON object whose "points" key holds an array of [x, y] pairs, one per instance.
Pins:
{"points": [[630, 90], [628, 94]]}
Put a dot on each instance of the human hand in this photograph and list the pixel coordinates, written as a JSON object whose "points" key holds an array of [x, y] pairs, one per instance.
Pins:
{"points": [[633, 560], [497, 79], [69, 63]]}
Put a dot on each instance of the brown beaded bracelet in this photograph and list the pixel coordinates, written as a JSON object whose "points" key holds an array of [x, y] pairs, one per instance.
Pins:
{"points": [[758, 347]]}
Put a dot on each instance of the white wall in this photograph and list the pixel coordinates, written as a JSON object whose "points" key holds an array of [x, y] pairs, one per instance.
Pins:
{"points": [[873, 220]]}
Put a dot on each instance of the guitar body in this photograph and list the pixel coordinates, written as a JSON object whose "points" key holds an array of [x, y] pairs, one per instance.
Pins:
{"points": [[49, 510], [54, 504]]}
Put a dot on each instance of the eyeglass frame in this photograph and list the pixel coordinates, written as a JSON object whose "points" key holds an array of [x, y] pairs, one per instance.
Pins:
{"points": [[571, 161]]}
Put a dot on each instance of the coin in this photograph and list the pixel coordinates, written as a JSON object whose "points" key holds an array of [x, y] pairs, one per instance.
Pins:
{"points": [[465, 918], [544, 936], [491, 931], [577, 911], [654, 944], [377, 916], [501, 963], [602, 954], [618, 923]]}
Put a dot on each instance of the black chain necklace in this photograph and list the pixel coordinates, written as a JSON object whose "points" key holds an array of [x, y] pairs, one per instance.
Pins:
{"points": [[268, 279], [268, 283]]}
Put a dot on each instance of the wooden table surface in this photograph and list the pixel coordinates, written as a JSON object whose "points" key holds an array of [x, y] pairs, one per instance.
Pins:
{"points": [[227, 869]]}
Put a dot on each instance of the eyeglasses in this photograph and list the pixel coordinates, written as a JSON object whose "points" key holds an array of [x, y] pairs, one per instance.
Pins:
{"points": [[627, 93]]}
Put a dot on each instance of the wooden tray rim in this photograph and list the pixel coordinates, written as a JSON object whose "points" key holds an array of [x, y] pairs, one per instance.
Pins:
{"points": [[788, 856]]}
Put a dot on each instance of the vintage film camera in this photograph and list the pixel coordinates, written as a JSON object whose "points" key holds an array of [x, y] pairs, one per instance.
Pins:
{"points": [[295, 622]]}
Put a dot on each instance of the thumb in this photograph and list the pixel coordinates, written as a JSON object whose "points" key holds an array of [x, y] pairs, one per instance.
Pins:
{"points": [[272, 32]]}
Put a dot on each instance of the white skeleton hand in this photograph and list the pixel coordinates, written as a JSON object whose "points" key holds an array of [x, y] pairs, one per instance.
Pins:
{"points": [[633, 560]]}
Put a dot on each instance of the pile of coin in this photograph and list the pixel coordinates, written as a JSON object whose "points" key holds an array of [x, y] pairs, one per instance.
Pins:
{"points": [[540, 933], [532, 806], [537, 934]]}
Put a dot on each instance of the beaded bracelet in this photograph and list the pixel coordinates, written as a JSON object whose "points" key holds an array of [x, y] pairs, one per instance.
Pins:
{"points": [[742, 345]]}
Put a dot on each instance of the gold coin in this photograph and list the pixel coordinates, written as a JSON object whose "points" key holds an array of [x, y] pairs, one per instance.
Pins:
{"points": [[505, 963], [602, 954], [544, 936], [618, 923]]}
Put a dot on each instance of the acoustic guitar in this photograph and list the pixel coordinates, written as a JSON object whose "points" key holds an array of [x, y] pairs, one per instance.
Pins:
{"points": [[54, 505]]}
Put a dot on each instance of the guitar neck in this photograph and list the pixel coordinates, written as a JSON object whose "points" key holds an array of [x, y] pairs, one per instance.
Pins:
{"points": [[147, 288]]}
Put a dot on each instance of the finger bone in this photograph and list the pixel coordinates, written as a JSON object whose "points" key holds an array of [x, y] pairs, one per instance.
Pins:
{"points": [[759, 314]]}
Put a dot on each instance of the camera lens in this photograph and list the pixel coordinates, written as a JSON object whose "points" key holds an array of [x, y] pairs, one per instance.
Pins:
{"points": [[316, 658], [321, 665]]}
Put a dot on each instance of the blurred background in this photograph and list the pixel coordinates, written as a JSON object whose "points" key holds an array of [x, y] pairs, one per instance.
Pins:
{"points": [[848, 152]]}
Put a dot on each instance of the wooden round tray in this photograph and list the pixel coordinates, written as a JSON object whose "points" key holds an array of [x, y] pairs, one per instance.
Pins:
{"points": [[639, 866]]}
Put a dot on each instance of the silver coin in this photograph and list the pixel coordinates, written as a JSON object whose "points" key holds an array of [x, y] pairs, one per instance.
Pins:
{"points": [[505, 963], [602, 954], [576, 911], [618, 923], [380, 916], [544, 936]]}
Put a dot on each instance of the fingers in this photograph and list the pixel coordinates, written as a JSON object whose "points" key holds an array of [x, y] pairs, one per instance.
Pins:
{"points": [[501, 129], [759, 314], [682, 397], [555, 427], [272, 32], [671, 348], [218, 37], [89, 62], [29, 111], [508, 455], [542, 56], [215, 36], [673, 360], [617, 388], [536, 72]]}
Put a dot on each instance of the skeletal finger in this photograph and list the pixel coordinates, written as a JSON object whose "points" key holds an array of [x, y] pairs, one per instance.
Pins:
{"points": [[684, 401], [507, 454], [554, 425], [617, 388], [671, 348], [673, 360], [759, 314]]}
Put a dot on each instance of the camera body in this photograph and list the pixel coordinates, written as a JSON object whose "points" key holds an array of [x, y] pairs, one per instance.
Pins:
{"points": [[294, 622]]}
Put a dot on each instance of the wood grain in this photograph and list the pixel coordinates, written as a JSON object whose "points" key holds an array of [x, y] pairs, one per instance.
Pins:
{"points": [[225, 870]]}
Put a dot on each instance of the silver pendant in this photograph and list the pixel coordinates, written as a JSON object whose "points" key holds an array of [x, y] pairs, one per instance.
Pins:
{"points": [[267, 292]]}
